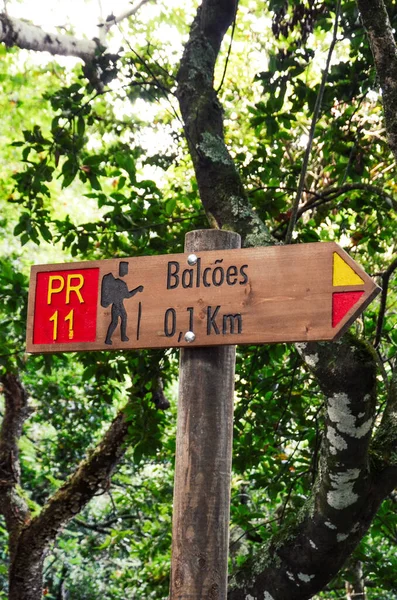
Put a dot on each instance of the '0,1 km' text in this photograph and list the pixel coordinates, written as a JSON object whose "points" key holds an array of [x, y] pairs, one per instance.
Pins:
{"points": [[217, 322]]}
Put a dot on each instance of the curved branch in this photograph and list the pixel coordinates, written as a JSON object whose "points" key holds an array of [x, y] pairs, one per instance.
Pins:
{"points": [[111, 20], [385, 288], [331, 193], [383, 45], [115, 19], [92, 475], [20, 33], [328, 195], [295, 564]]}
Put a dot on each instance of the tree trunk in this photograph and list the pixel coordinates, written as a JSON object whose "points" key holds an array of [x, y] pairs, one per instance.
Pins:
{"points": [[29, 538], [26, 577]]}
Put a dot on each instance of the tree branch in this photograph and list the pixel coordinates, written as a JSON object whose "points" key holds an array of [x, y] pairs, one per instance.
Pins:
{"points": [[92, 475], [295, 564], [12, 504], [385, 442], [328, 195], [15, 32], [114, 20], [220, 186], [382, 310], [331, 193], [381, 38], [104, 526], [111, 20], [316, 113]]}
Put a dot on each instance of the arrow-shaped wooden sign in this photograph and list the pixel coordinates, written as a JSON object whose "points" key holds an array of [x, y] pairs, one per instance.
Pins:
{"points": [[292, 293]]}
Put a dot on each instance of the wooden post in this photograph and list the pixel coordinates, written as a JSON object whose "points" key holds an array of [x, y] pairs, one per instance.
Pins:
{"points": [[200, 535]]}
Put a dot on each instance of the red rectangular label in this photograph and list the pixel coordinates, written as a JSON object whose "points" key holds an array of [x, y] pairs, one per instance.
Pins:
{"points": [[66, 306]]}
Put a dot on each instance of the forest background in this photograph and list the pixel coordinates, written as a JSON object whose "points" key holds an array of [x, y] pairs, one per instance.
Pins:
{"points": [[271, 123]]}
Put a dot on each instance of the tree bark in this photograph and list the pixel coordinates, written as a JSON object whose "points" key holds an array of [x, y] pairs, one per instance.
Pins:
{"points": [[355, 590], [347, 494], [383, 45], [354, 477], [12, 503], [30, 538], [15, 32], [221, 190]]}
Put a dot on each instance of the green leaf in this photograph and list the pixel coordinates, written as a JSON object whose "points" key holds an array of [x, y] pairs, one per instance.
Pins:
{"points": [[126, 162], [81, 126], [69, 171], [170, 206], [45, 232]]}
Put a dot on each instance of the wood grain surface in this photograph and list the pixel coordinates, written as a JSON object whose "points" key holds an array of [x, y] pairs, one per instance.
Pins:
{"points": [[201, 509], [239, 296]]}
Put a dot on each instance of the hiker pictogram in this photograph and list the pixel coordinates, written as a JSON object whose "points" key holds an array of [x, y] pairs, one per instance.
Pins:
{"points": [[115, 291]]}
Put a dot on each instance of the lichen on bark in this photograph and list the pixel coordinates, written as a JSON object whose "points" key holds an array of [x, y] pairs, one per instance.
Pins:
{"points": [[220, 186], [380, 33], [30, 536]]}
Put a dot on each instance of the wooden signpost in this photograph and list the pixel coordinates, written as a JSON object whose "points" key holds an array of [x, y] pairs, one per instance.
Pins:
{"points": [[206, 301], [205, 298]]}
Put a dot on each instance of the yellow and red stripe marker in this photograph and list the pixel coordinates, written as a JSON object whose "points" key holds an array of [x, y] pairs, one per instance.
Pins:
{"points": [[342, 302]]}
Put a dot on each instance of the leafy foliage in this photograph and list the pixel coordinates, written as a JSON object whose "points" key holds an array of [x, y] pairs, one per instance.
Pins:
{"points": [[82, 181]]}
